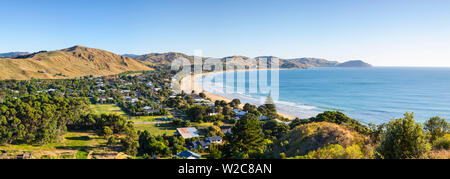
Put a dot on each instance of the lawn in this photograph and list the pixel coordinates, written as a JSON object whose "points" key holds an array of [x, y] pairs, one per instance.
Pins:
{"points": [[72, 145], [157, 129], [152, 118], [107, 109], [114, 109]]}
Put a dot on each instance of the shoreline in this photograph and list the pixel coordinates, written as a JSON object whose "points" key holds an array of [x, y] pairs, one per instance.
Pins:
{"points": [[214, 97]]}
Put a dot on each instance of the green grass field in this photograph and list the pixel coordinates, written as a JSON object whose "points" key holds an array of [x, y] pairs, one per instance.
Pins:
{"points": [[114, 109], [107, 109], [151, 118], [155, 129]]}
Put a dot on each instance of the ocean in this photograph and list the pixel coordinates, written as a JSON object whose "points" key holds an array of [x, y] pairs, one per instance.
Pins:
{"points": [[370, 95]]}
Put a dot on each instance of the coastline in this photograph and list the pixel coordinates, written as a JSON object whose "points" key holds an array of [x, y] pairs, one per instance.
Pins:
{"points": [[214, 97]]}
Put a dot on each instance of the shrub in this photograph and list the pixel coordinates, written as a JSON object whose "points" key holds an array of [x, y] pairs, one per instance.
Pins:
{"points": [[442, 143], [404, 139]]}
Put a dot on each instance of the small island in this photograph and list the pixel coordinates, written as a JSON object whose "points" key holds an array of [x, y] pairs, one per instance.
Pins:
{"points": [[355, 63]]}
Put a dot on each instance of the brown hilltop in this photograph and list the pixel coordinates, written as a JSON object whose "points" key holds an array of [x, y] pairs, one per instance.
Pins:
{"points": [[71, 62]]}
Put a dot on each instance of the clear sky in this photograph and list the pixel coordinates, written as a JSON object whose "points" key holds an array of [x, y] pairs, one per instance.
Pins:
{"points": [[381, 32]]}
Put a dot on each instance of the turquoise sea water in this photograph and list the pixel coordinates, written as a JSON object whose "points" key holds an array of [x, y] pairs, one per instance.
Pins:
{"points": [[367, 94]]}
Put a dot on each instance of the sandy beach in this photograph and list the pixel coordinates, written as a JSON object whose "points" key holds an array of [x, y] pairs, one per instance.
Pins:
{"points": [[214, 97]]}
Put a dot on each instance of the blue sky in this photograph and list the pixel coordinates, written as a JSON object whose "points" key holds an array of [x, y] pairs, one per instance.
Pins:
{"points": [[382, 32]]}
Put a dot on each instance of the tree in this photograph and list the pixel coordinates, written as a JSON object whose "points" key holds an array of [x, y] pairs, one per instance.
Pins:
{"points": [[214, 152], [342, 119], [336, 151], [275, 129], [235, 103], [107, 131], [246, 138], [111, 141], [270, 104], [436, 127], [404, 139], [249, 107], [196, 113], [377, 132]]}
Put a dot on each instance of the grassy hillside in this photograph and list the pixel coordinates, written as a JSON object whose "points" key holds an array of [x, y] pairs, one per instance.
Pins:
{"points": [[72, 62], [308, 138]]}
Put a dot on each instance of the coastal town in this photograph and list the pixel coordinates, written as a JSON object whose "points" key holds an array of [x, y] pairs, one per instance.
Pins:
{"points": [[146, 99], [137, 115]]}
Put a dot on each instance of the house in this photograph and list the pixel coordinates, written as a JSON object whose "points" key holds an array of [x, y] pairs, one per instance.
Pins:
{"points": [[213, 114], [225, 130], [209, 103], [111, 77], [130, 99], [149, 109], [197, 144], [214, 139], [198, 99], [189, 132], [189, 155], [51, 90], [239, 112], [204, 144], [125, 91]]}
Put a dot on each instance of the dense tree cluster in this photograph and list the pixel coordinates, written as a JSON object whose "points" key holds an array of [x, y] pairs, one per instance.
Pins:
{"points": [[38, 119], [334, 117], [162, 146], [404, 139]]}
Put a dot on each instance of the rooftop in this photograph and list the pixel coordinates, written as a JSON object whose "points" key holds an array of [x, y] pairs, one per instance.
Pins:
{"points": [[188, 133]]}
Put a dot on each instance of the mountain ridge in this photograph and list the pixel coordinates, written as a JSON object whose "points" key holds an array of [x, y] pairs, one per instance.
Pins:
{"points": [[12, 54], [302, 63]]}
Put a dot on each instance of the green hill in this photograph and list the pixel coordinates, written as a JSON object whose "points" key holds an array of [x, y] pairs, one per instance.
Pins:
{"points": [[311, 137]]}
